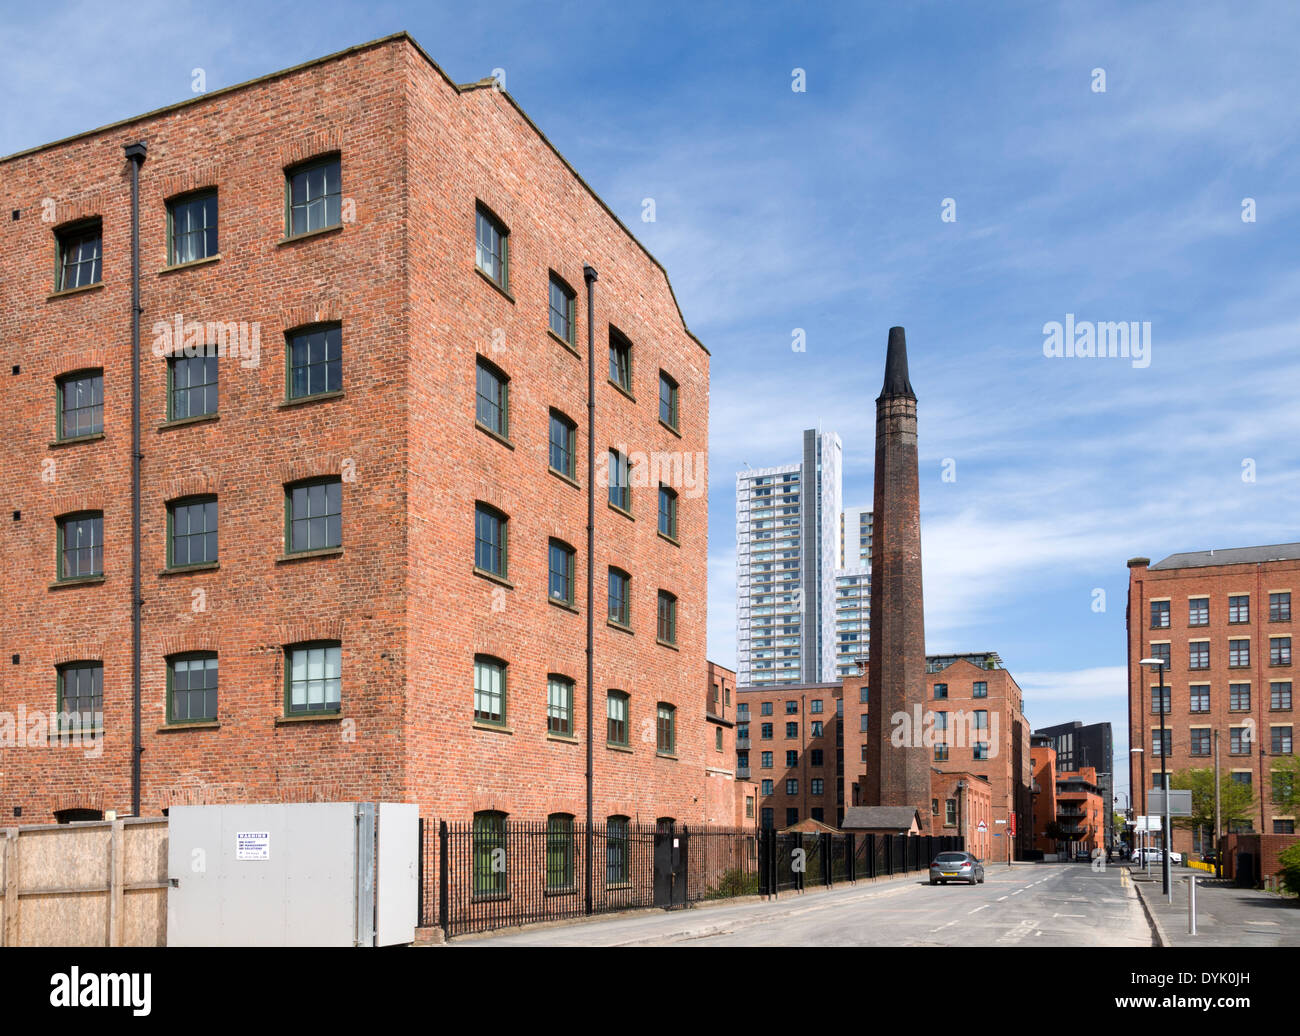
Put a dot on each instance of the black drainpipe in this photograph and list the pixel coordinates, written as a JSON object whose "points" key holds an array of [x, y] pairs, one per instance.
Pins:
{"points": [[135, 155], [589, 275]]}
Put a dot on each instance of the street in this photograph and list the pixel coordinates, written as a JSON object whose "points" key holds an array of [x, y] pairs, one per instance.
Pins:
{"points": [[1066, 904]]}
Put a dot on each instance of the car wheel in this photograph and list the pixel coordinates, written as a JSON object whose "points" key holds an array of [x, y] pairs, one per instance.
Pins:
{"points": [[934, 881], [972, 881], [981, 879]]}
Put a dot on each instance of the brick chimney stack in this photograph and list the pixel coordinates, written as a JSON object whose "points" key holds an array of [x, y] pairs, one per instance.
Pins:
{"points": [[896, 776]]}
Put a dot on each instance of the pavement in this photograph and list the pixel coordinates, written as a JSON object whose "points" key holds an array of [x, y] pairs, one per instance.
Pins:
{"points": [[1225, 915], [1063, 904]]}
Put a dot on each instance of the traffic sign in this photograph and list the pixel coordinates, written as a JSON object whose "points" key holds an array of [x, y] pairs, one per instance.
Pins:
{"points": [[1180, 802], [982, 827], [1011, 829]]}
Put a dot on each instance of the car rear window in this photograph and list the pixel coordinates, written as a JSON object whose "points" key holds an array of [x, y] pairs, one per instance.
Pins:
{"points": [[950, 857]]}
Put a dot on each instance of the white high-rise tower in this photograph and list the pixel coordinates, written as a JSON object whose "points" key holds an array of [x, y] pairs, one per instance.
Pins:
{"points": [[787, 553]]}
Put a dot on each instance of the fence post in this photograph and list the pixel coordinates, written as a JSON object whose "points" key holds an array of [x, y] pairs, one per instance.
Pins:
{"points": [[827, 848], [851, 848], [419, 874], [116, 872], [9, 937], [443, 875]]}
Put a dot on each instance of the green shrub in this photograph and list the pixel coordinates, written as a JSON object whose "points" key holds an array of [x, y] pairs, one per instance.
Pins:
{"points": [[1289, 859], [734, 882]]}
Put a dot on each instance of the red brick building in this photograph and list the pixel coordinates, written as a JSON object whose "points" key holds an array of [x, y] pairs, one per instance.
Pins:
{"points": [[1223, 623], [1042, 792], [363, 400], [1071, 803], [788, 741], [731, 797], [972, 722]]}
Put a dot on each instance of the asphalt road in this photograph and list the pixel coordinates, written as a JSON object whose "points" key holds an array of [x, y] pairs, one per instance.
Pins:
{"points": [[1065, 904]]}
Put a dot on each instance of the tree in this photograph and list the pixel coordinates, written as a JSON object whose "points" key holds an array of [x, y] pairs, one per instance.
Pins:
{"points": [[1236, 801], [1286, 783]]}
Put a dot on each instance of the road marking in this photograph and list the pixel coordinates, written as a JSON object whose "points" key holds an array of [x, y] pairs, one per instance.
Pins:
{"points": [[986, 906], [1001, 898]]}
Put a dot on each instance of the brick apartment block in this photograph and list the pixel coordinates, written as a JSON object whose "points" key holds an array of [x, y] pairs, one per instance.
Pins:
{"points": [[392, 241], [787, 741], [731, 796], [1224, 620], [1071, 799], [959, 685]]}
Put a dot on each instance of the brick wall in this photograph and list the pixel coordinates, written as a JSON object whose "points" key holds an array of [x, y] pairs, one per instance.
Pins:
{"points": [[1217, 583], [417, 154]]}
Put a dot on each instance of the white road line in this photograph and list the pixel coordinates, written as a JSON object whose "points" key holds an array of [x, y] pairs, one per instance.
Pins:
{"points": [[979, 908], [1001, 898]]}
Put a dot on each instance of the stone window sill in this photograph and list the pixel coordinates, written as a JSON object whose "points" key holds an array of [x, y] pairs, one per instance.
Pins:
{"points": [[204, 725], [563, 477], [676, 431], [622, 389], [492, 577], [59, 584], [303, 555], [207, 566], [666, 643], [671, 539], [625, 513], [478, 270], [177, 267], [182, 422], [564, 342], [323, 717], [494, 434], [73, 440], [566, 605], [318, 397], [618, 626], [618, 748], [495, 728], [65, 292], [290, 239], [568, 739]]}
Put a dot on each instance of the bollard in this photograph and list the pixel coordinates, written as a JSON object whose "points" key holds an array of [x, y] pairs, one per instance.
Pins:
{"points": [[1191, 904]]}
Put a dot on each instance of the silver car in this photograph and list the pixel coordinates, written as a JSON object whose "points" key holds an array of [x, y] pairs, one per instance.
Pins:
{"points": [[956, 866]]}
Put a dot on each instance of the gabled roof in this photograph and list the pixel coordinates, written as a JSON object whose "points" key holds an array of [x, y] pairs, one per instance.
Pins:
{"points": [[459, 88], [1231, 556], [898, 818]]}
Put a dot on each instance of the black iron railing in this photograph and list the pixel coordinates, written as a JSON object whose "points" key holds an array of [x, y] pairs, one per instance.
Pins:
{"points": [[478, 877]]}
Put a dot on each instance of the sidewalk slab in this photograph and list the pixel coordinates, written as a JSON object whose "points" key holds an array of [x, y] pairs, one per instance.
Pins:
{"points": [[1225, 915]]}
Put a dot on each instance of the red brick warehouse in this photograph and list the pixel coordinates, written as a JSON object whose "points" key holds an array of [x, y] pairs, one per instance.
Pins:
{"points": [[364, 462]]}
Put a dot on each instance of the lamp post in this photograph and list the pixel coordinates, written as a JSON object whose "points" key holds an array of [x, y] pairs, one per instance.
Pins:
{"points": [[1159, 665], [1142, 841], [1127, 807]]}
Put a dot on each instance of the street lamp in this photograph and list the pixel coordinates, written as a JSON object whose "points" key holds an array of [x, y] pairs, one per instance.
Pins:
{"points": [[1159, 665], [1145, 832]]}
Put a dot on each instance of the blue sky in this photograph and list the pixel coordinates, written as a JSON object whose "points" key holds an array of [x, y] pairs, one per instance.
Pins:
{"points": [[820, 210]]}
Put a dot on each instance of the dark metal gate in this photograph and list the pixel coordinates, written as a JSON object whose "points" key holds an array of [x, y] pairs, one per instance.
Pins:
{"points": [[671, 848]]}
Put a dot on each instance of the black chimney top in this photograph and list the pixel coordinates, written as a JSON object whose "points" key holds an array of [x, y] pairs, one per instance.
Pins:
{"points": [[896, 381]]}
